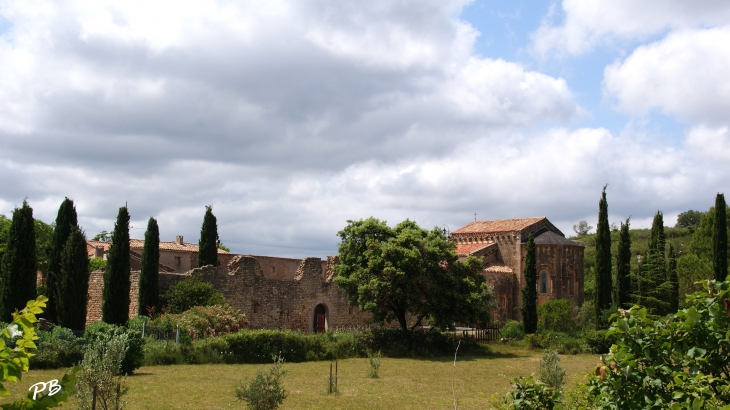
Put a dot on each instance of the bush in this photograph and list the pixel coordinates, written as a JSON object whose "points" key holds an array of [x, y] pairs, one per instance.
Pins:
{"points": [[192, 291], [538, 341], [134, 356], [425, 343], [102, 372], [551, 371], [265, 391], [556, 315], [569, 345], [597, 341], [530, 394], [512, 330], [203, 321], [58, 348], [587, 315]]}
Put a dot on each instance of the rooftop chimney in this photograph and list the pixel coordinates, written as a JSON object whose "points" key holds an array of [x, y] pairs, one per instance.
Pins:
{"points": [[179, 240]]}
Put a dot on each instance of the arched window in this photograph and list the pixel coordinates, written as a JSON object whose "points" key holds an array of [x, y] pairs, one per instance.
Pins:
{"points": [[543, 282]]}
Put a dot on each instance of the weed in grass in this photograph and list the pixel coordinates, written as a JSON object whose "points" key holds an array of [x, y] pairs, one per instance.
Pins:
{"points": [[374, 360], [265, 391]]}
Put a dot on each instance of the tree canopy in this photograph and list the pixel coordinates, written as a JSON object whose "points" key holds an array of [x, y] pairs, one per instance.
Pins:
{"points": [[65, 221], [18, 284], [74, 282], [688, 219], [407, 272], [115, 296]]}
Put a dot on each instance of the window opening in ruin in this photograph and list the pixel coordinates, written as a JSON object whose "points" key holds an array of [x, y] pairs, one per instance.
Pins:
{"points": [[256, 307], [273, 269], [177, 261], [320, 319], [543, 282]]}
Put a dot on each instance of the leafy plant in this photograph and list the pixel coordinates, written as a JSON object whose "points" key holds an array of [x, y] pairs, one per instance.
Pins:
{"points": [[190, 292], [556, 315], [265, 391], [512, 330], [204, 321], [134, 354], [101, 381], [530, 394], [538, 340], [374, 361], [551, 371]]}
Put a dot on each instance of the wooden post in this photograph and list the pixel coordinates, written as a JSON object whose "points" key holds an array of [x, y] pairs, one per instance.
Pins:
{"points": [[330, 377], [337, 387], [93, 399]]}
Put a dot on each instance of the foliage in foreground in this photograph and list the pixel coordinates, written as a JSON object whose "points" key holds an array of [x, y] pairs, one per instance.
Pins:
{"points": [[265, 391]]}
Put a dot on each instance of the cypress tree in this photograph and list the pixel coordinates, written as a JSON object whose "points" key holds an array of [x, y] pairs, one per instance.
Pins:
{"points": [[673, 281], [719, 239], [65, 220], [19, 264], [656, 290], [529, 291], [149, 276], [115, 297], [74, 283], [208, 245], [623, 267], [604, 287]]}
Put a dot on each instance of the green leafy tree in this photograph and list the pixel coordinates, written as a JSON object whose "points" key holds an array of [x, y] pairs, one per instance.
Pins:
{"points": [[604, 287], [102, 236], [719, 239], [74, 283], [529, 291], [688, 219], [406, 270], [623, 267], [149, 276], [208, 245], [673, 280], [65, 220], [19, 268], [115, 296], [192, 291]]}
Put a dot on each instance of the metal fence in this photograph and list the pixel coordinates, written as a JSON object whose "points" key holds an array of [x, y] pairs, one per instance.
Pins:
{"points": [[483, 335], [159, 333]]}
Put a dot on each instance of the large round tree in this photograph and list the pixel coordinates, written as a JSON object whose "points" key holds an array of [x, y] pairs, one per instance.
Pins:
{"points": [[409, 274], [115, 297], [18, 284]]}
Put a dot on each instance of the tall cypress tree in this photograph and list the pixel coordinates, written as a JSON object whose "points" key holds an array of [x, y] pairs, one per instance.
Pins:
{"points": [[149, 276], [673, 281], [529, 291], [719, 239], [19, 264], [208, 245], [115, 297], [65, 220], [656, 289], [623, 267], [74, 284], [604, 287]]}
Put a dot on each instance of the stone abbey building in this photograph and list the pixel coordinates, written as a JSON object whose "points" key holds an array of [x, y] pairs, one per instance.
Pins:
{"points": [[299, 294]]}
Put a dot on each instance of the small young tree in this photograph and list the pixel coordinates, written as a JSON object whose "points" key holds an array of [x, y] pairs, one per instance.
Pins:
{"points": [[208, 245], [623, 267], [149, 276], [529, 291], [265, 391], [719, 239], [101, 381], [19, 264], [65, 220], [74, 284], [115, 297], [604, 287]]}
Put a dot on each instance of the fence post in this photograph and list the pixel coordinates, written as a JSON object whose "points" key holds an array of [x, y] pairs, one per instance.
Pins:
{"points": [[330, 377], [177, 334]]}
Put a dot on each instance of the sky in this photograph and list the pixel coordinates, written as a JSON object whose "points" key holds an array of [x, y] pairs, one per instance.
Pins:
{"points": [[291, 118]]}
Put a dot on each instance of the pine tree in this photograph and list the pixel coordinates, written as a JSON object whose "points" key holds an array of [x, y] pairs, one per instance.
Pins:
{"points": [[656, 289], [604, 287], [623, 267], [673, 281], [19, 264], [529, 291], [149, 276], [719, 239], [74, 284], [65, 221], [115, 297], [208, 245]]}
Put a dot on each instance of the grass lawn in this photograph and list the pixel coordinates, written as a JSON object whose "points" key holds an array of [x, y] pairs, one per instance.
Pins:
{"points": [[403, 383]]}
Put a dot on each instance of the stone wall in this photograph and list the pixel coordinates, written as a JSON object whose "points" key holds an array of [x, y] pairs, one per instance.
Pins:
{"points": [[96, 286]]}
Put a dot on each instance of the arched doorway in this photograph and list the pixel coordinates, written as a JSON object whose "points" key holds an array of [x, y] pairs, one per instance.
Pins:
{"points": [[320, 319]]}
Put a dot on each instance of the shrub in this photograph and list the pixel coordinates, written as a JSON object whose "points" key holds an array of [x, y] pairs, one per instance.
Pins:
{"points": [[556, 315], [512, 330], [597, 341], [101, 372], [569, 345], [265, 391], [192, 291], [538, 340], [134, 355], [374, 361], [203, 321], [587, 315], [551, 371], [399, 343], [530, 394], [58, 348]]}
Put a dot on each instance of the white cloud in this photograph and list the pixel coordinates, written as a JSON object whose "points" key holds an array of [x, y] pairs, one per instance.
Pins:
{"points": [[588, 24], [682, 75]]}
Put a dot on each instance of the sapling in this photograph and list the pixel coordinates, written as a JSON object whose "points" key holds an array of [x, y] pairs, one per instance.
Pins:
{"points": [[374, 359], [265, 391]]}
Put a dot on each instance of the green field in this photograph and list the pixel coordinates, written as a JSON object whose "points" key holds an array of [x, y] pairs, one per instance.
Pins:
{"points": [[403, 383]]}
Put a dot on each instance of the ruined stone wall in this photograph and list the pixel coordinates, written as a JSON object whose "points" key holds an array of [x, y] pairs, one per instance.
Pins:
{"points": [[502, 285], [96, 286], [278, 268]]}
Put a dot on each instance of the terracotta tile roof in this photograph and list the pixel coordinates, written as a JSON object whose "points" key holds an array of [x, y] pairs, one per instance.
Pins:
{"points": [[499, 269], [139, 244], [469, 248], [502, 225]]}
